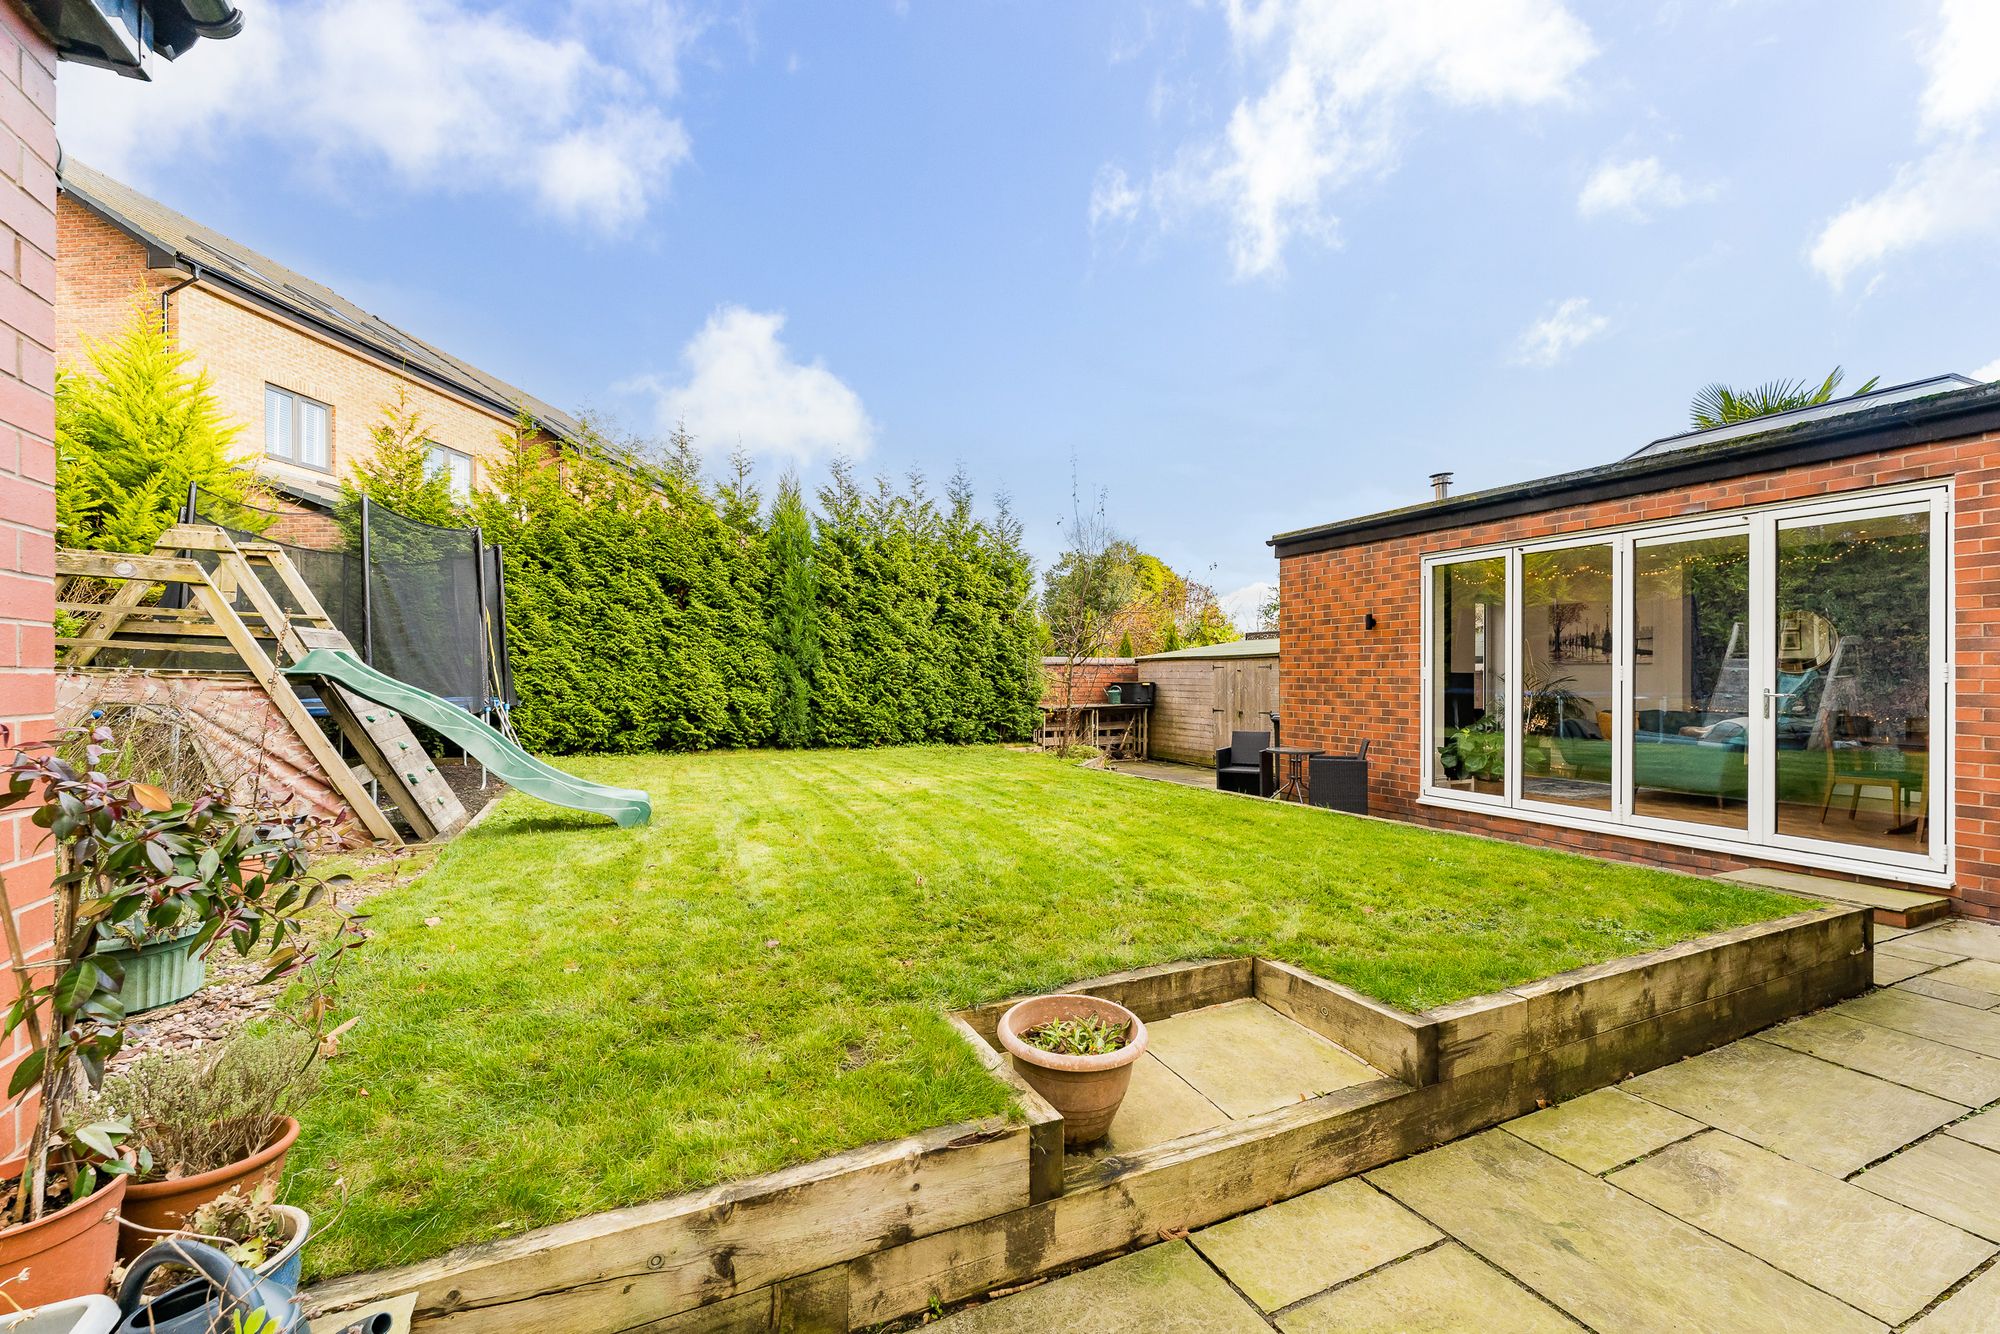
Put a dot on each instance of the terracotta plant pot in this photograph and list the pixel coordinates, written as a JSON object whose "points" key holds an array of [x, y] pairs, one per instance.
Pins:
{"points": [[1085, 1089], [65, 1254], [155, 1208]]}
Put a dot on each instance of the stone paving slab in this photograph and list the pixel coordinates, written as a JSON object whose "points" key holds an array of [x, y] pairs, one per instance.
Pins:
{"points": [[1886, 970], [1286, 1252], [1920, 949], [1448, 1290], [1809, 1110], [1600, 1130], [1870, 1252], [1974, 940], [1935, 985], [1891, 1054], [1983, 1130], [1947, 1178], [1928, 1017], [1246, 1058], [1973, 974], [1158, 1106], [1603, 1256], [1164, 1289], [1973, 1309]]}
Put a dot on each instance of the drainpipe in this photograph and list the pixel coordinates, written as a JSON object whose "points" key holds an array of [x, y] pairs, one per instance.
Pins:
{"points": [[193, 276]]}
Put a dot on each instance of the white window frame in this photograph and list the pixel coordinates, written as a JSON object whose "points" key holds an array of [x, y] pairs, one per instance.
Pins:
{"points": [[433, 449], [1760, 840], [297, 399]]}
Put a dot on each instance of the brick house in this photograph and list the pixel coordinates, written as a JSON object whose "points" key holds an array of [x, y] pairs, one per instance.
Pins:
{"points": [[303, 370], [34, 36], [1726, 650]]}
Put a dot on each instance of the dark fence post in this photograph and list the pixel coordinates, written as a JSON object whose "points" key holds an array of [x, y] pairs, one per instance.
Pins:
{"points": [[367, 590]]}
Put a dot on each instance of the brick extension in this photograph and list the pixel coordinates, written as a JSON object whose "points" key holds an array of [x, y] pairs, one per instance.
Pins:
{"points": [[27, 477], [1342, 684]]}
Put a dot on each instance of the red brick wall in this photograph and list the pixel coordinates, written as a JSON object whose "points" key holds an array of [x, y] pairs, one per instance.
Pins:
{"points": [[1092, 675], [27, 469], [1342, 684], [102, 278]]}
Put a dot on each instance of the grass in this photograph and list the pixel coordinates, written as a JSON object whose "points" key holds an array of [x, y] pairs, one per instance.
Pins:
{"points": [[562, 1017]]}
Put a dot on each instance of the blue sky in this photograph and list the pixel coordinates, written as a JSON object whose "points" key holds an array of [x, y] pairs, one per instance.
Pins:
{"points": [[1251, 266]]}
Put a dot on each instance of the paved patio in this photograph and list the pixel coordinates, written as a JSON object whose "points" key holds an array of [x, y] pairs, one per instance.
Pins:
{"points": [[1838, 1172]]}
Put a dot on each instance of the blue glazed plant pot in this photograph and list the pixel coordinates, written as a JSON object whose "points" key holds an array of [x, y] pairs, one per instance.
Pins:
{"points": [[159, 972]]}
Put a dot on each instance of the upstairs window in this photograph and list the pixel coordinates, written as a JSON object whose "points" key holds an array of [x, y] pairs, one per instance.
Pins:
{"points": [[454, 466], [295, 429]]}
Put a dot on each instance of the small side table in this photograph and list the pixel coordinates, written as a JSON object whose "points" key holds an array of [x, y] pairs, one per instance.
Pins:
{"points": [[1290, 765]]}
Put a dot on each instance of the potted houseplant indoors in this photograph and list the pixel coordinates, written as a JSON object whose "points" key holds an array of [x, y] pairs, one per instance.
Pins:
{"points": [[205, 1124], [126, 853], [1077, 1052]]}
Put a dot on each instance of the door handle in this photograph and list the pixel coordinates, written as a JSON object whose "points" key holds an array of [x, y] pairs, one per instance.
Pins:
{"points": [[1767, 702]]}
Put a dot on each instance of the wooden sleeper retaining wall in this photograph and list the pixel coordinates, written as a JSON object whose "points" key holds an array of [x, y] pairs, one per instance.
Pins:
{"points": [[887, 1230]]}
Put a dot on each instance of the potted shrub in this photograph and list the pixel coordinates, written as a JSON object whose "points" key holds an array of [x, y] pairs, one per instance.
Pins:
{"points": [[205, 1124], [126, 852], [264, 1237], [1076, 1051], [159, 964]]}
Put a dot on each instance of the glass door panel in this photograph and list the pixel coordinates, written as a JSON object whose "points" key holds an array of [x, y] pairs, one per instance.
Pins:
{"points": [[1691, 680], [1853, 680], [1468, 742], [1569, 665]]}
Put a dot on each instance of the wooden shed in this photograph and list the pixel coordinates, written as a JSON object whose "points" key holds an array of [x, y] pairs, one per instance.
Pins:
{"points": [[1206, 693]]}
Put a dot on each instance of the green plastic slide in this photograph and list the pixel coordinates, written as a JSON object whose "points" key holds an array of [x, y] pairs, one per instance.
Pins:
{"points": [[515, 767]]}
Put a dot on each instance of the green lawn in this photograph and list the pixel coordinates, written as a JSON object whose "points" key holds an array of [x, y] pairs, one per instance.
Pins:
{"points": [[602, 1017]]}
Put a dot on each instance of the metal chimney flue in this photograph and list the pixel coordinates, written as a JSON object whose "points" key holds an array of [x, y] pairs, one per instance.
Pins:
{"points": [[1440, 485]]}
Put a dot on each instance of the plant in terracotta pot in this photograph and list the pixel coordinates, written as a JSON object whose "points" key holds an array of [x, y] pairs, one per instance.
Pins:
{"points": [[126, 852], [1077, 1052], [206, 1123]]}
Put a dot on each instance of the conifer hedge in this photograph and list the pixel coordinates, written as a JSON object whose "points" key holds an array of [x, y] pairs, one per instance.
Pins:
{"points": [[646, 613]]}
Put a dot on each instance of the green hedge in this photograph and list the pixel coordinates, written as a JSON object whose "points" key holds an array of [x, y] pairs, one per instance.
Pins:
{"points": [[646, 614]]}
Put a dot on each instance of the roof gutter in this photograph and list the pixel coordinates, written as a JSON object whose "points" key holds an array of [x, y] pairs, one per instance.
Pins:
{"points": [[1893, 426]]}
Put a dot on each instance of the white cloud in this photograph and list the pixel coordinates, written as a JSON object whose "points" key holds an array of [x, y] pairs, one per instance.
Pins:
{"points": [[1634, 188], [1568, 325], [1990, 371], [744, 390], [1113, 199], [1337, 77], [1952, 192], [443, 95], [1245, 606], [1964, 64]]}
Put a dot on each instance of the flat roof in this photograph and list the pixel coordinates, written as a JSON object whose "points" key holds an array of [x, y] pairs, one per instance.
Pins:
{"points": [[1787, 443]]}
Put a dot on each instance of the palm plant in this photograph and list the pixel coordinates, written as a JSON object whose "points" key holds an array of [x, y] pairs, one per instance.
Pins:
{"points": [[1720, 405]]}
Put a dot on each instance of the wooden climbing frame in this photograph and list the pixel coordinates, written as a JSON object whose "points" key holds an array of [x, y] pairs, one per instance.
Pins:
{"points": [[261, 639]]}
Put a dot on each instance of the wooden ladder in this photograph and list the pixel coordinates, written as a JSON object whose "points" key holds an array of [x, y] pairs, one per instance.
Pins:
{"points": [[389, 750]]}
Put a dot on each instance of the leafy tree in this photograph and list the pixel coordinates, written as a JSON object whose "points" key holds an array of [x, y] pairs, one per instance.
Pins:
{"points": [[1125, 645], [398, 472], [1084, 592], [132, 434], [1720, 405], [792, 616]]}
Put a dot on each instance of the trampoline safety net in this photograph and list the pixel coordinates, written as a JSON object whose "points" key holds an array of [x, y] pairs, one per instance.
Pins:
{"points": [[423, 604]]}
